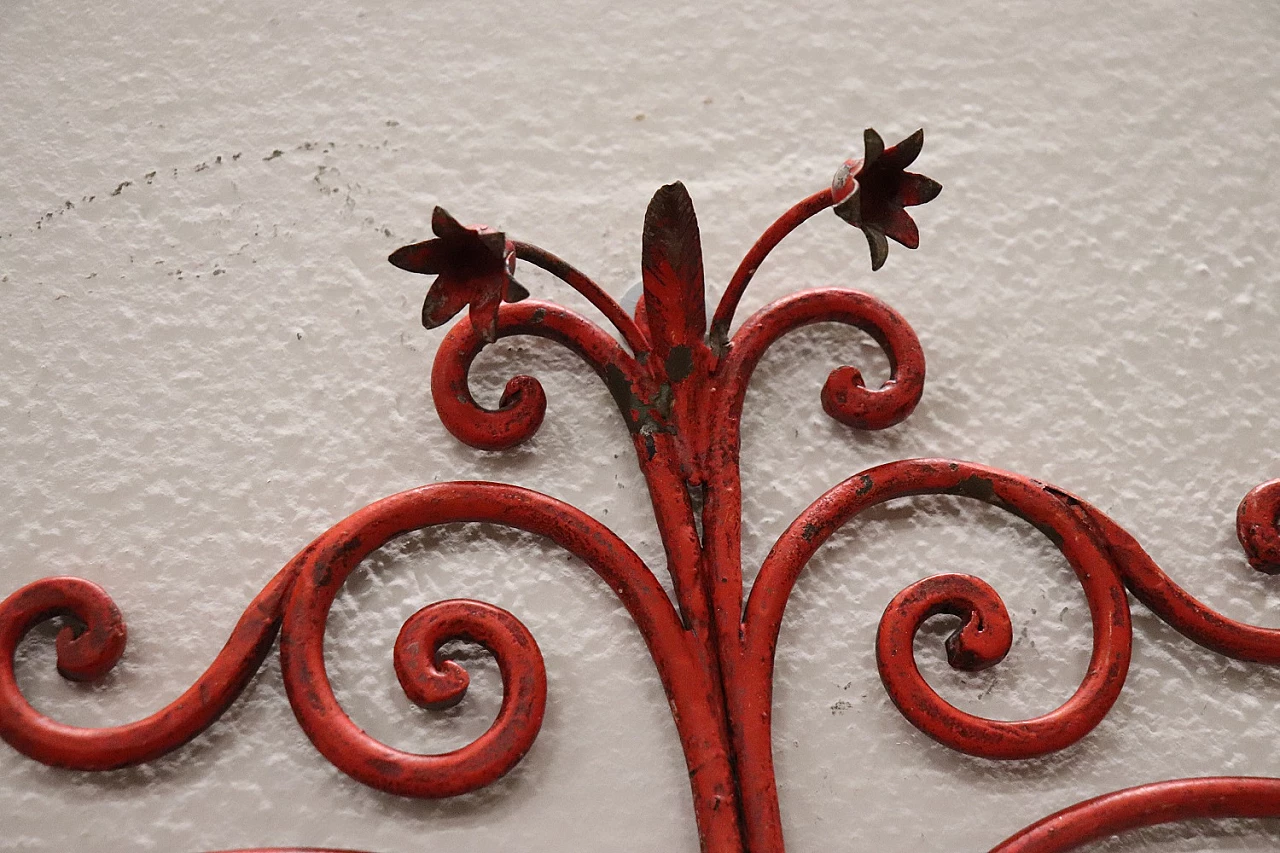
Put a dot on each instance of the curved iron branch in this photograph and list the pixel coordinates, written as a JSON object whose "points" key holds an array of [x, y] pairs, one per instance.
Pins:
{"points": [[845, 396], [1258, 529], [983, 640], [524, 403], [333, 557], [1148, 805], [595, 294], [1101, 552], [1103, 556], [90, 643], [773, 235], [297, 603]]}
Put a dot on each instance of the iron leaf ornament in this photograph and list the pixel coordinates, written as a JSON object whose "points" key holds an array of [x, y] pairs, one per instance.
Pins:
{"points": [[679, 382]]}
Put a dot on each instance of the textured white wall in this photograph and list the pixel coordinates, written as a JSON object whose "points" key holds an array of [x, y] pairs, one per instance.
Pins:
{"points": [[205, 361]]}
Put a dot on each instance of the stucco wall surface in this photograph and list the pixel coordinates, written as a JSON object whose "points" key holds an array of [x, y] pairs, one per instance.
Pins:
{"points": [[206, 361]]}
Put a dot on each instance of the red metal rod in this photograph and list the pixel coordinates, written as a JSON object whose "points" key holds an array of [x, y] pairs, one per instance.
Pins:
{"points": [[1147, 805], [750, 264], [908, 611], [596, 295], [89, 644]]}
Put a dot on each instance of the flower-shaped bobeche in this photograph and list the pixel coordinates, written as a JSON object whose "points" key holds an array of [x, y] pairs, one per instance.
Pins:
{"points": [[871, 193], [472, 264]]}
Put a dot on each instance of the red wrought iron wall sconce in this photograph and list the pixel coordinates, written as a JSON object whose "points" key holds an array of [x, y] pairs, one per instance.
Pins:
{"points": [[679, 383]]}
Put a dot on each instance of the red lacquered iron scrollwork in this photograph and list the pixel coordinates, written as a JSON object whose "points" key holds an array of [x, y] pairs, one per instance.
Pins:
{"points": [[679, 382]]}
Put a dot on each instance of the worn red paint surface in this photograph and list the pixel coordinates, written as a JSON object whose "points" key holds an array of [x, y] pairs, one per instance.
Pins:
{"points": [[680, 387]]}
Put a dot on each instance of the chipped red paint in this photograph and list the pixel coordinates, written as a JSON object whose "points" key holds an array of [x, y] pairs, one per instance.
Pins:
{"points": [[680, 388]]}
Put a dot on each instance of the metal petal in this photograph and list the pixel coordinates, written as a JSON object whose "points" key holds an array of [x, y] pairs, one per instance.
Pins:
{"points": [[899, 225], [905, 152], [916, 189], [495, 242], [446, 298], [873, 145], [515, 290], [444, 225], [879, 246], [427, 257]]}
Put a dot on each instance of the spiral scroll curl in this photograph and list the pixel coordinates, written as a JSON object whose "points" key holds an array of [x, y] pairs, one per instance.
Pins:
{"points": [[523, 404], [749, 671], [297, 604], [332, 558], [982, 639], [1258, 527], [1105, 558], [426, 681], [91, 644], [845, 395]]}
